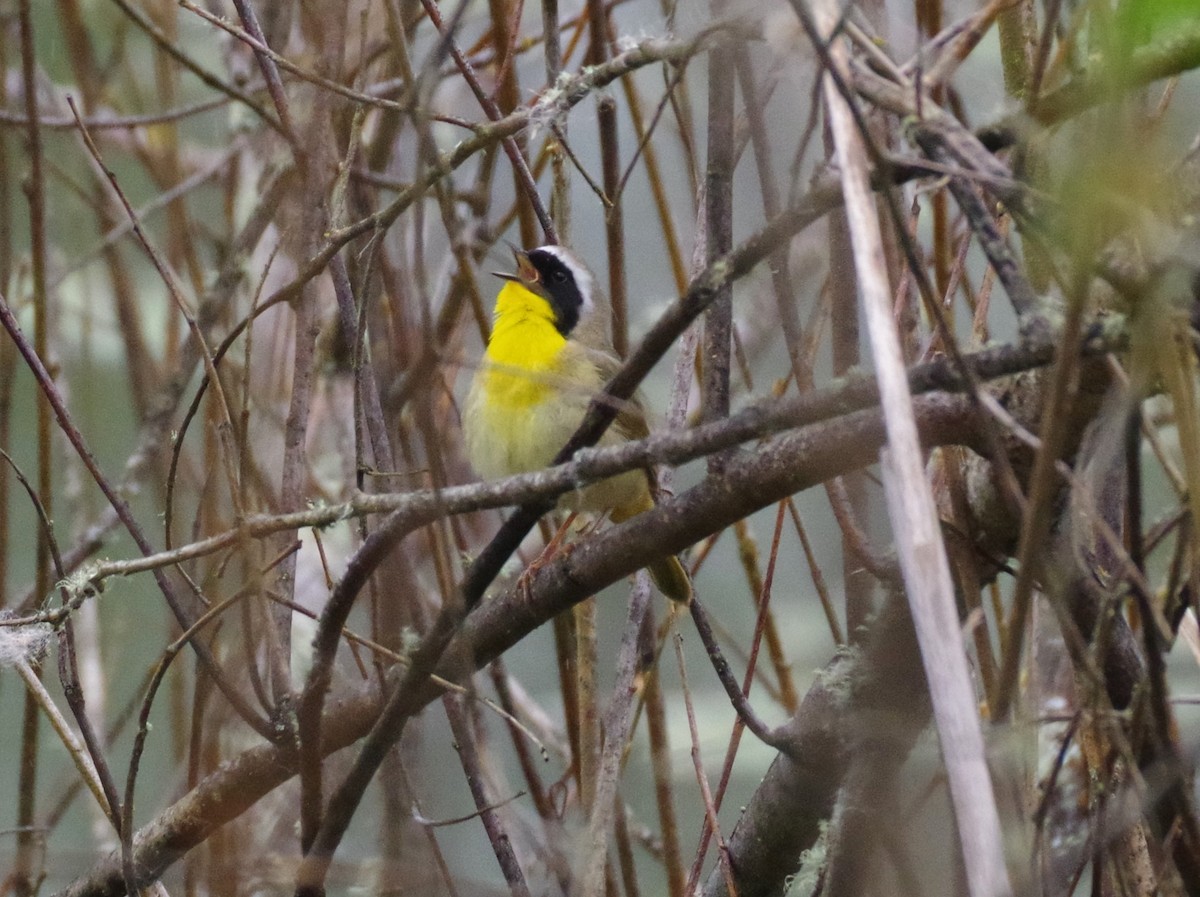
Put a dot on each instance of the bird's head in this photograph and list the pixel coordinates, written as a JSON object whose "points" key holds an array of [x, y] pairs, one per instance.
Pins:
{"points": [[561, 279]]}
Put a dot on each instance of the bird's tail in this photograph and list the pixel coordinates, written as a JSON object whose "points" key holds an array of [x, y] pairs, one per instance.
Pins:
{"points": [[672, 580], [668, 573]]}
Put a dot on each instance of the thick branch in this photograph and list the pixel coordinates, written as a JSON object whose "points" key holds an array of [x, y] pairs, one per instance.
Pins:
{"points": [[842, 396], [876, 697], [792, 462]]}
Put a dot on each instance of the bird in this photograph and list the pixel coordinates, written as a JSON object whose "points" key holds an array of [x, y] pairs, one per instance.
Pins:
{"points": [[550, 353]]}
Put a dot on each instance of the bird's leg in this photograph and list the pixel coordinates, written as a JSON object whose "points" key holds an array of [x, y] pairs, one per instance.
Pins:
{"points": [[552, 548]]}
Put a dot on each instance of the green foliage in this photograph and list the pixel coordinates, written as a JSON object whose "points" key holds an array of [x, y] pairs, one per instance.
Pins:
{"points": [[1141, 21]]}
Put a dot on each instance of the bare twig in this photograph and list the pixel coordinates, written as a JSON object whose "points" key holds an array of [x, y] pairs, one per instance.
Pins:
{"points": [[616, 739], [790, 464], [125, 514], [910, 503]]}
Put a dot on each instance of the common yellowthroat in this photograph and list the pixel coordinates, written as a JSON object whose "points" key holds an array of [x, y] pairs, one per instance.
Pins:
{"points": [[549, 354]]}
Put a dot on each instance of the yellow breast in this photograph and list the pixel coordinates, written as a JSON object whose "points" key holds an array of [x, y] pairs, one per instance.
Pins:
{"points": [[524, 401], [530, 395], [523, 354]]}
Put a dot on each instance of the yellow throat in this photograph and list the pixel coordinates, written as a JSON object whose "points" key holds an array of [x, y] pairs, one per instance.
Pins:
{"points": [[524, 349]]}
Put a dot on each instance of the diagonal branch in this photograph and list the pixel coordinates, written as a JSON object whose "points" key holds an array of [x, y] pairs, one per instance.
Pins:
{"points": [[793, 462], [910, 502]]}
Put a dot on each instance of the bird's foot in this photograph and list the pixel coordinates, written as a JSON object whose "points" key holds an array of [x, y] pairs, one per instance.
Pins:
{"points": [[553, 547]]}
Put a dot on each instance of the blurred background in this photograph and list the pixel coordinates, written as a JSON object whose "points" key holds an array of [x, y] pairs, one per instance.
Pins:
{"points": [[320, 196]]}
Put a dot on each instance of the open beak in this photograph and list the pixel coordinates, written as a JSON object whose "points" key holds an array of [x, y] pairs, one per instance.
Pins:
{"points": [[526, 272]]}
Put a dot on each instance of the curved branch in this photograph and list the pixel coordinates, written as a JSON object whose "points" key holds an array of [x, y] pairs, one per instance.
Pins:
{"points": [[792, 462], [554, 102]]}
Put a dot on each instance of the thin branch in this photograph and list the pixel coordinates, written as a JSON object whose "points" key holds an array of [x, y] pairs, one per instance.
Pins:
{"points": [[125, 514], [486, 806], [617, 720], [165, 43], [789, 464], [910, 502], [841, 398]]}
